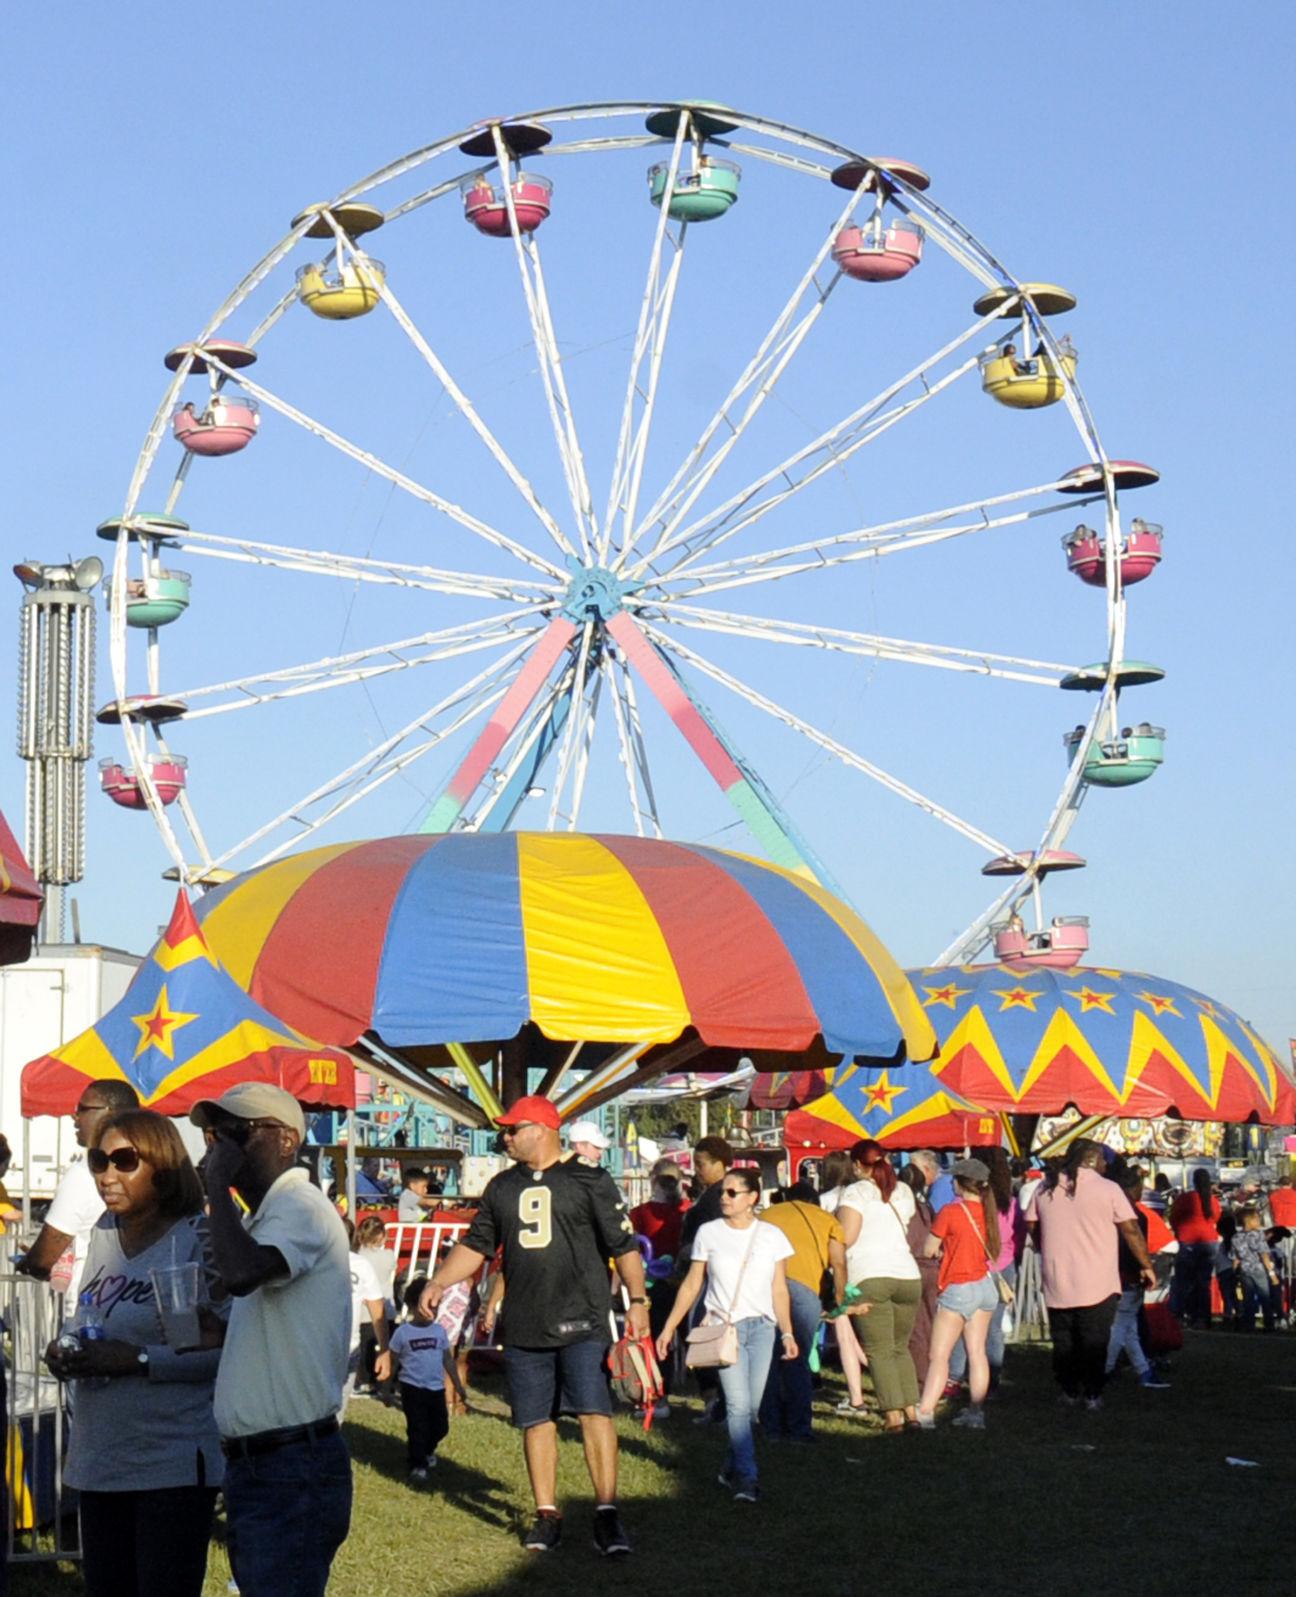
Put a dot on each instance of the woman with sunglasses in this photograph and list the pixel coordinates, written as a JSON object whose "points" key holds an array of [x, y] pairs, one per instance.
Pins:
{"points": [[740, 1260], [143, 1453]]}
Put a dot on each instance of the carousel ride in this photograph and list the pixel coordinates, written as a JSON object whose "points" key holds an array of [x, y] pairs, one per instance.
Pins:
{"points": [[599, 558]]}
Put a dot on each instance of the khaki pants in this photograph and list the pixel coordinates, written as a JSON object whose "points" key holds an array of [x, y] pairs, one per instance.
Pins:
{"points": [[885, 1333]]}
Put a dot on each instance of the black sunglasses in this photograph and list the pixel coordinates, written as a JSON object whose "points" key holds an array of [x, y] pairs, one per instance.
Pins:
{"points": [[123, 1159], [735, 1192]]}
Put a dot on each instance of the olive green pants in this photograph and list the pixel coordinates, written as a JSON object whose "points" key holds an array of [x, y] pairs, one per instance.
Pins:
{"points": [[885, 1333]]}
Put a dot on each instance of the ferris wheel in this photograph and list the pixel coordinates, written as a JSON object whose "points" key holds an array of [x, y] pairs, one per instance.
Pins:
{"points": [[574, 447]]}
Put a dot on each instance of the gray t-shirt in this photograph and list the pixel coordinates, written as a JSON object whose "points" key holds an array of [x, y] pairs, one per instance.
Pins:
{"points": [[142, 1432]]}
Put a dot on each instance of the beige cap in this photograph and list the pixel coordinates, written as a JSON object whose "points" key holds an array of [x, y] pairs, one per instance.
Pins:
{"points": [[253, 1100]]}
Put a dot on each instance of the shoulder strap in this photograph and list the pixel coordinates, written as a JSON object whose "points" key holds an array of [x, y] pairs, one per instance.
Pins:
{"points": [[733, 1302]]}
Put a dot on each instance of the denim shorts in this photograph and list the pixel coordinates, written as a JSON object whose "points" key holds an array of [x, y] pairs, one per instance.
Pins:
{"points": [[547, 1381], [970, 1297]]}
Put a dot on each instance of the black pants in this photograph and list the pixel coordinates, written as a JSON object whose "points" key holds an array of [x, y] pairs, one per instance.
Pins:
{"points": [[426, 1422], [368, 1357], [1080, 1338], [146, 1544]]}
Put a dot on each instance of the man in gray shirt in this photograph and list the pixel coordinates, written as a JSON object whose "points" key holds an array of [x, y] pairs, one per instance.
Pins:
{"points": [[279, 1388]]}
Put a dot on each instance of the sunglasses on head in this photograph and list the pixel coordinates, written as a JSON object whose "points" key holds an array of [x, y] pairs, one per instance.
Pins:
{"points": [[123, 1159]]}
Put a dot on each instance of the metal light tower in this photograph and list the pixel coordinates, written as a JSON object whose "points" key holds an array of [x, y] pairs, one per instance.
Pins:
{"points": [[56, 722]]}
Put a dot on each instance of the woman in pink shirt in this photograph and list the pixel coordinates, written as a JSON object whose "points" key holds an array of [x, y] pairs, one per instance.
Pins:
{"points": [[1078, 1220]]}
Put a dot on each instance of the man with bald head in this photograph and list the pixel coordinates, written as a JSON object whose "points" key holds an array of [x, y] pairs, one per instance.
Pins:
{"points": [[279, 1387]]}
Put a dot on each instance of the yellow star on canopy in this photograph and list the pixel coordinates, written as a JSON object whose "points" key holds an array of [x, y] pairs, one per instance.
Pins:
{"points": [[881, 1095], [157, 1028], [948, 995], [1162, 1003], [1018, 998], [1089, 999], [1206, 1007]]}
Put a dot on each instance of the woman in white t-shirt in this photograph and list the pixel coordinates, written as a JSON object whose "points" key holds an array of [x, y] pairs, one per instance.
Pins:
{"points": [[875, 1213], [740, 1260]]}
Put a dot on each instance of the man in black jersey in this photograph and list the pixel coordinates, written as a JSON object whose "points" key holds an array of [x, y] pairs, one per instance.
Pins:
{"points": [[558, 1221]]}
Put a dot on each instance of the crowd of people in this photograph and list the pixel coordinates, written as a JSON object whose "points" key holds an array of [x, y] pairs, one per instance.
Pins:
{"points": [[905, 1271]]}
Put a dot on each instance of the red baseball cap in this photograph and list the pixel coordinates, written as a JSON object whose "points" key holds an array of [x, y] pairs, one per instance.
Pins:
{"points": [[541, 1110]]}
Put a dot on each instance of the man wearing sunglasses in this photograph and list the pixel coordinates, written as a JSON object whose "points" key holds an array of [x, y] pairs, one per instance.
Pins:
{"points": [[77, 1205], [284, 1362], [558, 1221]]}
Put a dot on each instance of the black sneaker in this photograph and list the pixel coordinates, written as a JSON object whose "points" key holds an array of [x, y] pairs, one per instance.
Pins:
{"points": [[747, 1492], [609, 1533], [545, 1534]]}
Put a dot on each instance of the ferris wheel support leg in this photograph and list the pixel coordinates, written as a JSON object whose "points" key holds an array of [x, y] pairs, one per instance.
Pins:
{"points": [[500, 816], [463, 784], [765, 817]]}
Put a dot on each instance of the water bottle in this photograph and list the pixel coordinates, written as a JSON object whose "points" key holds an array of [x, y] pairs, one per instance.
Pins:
{"points": [[90, 1328]]}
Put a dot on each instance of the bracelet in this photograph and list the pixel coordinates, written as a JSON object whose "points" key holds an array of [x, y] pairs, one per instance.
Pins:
{"points": [[638, 1300], [789, 1336]]}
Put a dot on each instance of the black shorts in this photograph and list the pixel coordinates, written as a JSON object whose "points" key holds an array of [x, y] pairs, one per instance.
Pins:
{"points": [[545, 1382]]}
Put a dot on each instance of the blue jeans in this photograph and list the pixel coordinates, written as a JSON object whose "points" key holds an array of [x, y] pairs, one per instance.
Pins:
{"points": [[743, 1385], [1125, 1331], [786, 1407], [994, 1337], [1190, 1291], [288, 1511]]}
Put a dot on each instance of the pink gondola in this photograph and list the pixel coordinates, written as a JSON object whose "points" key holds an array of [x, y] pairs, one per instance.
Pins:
{"points": [[123, 787], [487, 209], [873, 256], [1058, 947], [1140, 553], [225, 427]]}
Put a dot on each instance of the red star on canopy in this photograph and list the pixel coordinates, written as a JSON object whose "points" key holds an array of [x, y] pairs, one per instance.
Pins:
{"points": [[1162, 1003], [881, 1094], [157, 1028], [1089, 999], [948, 995], [1018, 998]]}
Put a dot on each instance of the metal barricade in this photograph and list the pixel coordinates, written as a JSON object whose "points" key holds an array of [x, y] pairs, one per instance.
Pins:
{"points": [[41, 1525], [418, 1245]]}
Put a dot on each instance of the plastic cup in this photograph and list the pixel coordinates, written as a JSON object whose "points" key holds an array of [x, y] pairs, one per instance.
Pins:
{"points": [[178, 1290]]}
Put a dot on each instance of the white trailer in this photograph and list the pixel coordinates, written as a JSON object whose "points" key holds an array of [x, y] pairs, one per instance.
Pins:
{"points": [[61, 991]]}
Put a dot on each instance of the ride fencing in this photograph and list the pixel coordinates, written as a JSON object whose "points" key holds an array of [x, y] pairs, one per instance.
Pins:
{"points": [[41, 1523]]}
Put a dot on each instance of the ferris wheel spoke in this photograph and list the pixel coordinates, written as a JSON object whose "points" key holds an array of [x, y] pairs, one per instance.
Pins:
{"points": [[584, 751], [342, 670], [627, 754], [359, 568], [510, 780], [572, 730], [372, 463], [654, 322], [526, 251], [785, 337], [814, 735], [461, 400], [825, 453], [380, 764], [869, 543], [1047, 673]]}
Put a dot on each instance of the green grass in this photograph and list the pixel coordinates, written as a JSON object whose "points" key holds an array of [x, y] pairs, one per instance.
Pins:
{"points": [[1138, 1499]]}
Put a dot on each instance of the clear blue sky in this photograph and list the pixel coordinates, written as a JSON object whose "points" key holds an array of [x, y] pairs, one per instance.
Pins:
{"points": [[1139, 154]]}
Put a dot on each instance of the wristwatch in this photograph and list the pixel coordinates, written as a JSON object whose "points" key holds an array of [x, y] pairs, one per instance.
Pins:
{"points": [[638, 1300], [142, 1359]]}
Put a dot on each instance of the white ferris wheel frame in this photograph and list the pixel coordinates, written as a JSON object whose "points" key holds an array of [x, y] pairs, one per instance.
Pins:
{"points": [[665, 554]]}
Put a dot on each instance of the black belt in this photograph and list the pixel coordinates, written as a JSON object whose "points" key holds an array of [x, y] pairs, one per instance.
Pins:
{"points": [[268, 1441]]}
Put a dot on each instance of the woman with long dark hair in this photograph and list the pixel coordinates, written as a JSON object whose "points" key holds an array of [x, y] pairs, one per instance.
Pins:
{"points": [[1080, 1218], [1008, 1217], [875, 1212], [144, 1452], [966, 1237], [1194, 1219]]}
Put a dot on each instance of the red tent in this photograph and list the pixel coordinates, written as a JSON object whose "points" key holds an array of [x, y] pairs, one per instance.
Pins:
{"points": [[20, 900]]}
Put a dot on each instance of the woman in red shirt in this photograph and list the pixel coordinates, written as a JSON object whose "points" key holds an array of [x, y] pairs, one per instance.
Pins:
{"points": [[1194, 1220], [966, 1236]]}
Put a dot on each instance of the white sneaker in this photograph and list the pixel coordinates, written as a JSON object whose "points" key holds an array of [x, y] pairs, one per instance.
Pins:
{"points": [[662, 1409], [1093, 1404], [926, 1422], [418, 1476], [431, 1461]]}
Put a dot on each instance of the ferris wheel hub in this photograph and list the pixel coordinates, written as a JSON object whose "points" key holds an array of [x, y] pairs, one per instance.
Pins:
{"points": [[595, 593]]}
